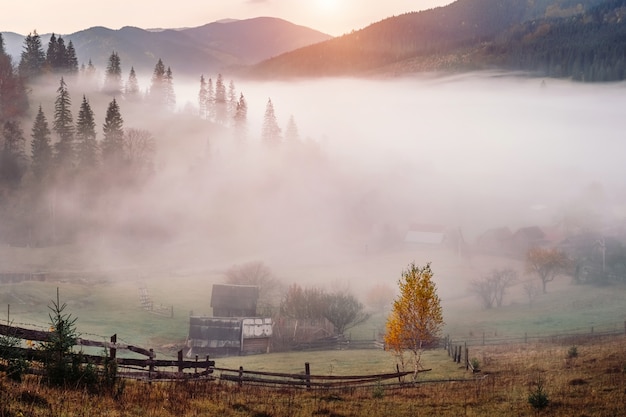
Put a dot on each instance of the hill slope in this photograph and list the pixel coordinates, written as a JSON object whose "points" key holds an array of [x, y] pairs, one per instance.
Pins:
{"points": [[433, 39], [190, 51]]}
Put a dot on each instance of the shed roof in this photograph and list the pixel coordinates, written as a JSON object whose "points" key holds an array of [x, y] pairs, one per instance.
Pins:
{"points": [[238, 297]]}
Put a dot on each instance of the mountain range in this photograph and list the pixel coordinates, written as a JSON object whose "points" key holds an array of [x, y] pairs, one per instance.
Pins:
{"points": [[579, 39], [189, 51]]}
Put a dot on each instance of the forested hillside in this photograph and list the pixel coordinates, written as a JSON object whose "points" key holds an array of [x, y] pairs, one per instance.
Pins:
{"points": [[565, 38]]}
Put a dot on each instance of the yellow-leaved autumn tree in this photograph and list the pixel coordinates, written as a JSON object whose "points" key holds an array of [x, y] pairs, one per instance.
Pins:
{"points": [[416, 318]]}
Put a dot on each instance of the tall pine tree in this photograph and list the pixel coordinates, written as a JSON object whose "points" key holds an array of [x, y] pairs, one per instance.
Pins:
{"points": [[33, 58], [87, 152], [158, 84], [41, 150], [13, 99], [132, 86], [221, 106], [240, 119], [202, 99], [271, 133], [113, 75], [63, 126], [170, 94], [12, 156], [113, 141]]}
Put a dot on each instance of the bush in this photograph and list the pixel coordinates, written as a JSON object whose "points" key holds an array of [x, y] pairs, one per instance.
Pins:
{"points": [[538, 398], [16, 365], [572, 352]]}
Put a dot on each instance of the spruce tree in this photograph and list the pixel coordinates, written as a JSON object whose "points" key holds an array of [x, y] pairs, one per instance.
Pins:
{"points": [[202, 99], [232, 100], [71, 62], [132, 86], [12, 157], [221, 109], [291, 132], [41, 150], [63, 126], [210, 101], [113, 75], [170, 94], [86, 137], [33, 58], [240, 119], [113, 141], [60, 59], [157, 84], [51, 53], [271, 133], [13, 98]]}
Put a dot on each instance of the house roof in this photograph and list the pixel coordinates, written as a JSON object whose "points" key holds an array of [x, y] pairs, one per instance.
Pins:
{"points": [[425, 234], [236, 297]]}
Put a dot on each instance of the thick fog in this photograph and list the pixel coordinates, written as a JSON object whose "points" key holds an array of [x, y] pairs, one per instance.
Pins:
{"points": [[374, 157]]}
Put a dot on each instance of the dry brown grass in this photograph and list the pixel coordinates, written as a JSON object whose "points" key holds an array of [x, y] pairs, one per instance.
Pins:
{"points": [[591, 384]]}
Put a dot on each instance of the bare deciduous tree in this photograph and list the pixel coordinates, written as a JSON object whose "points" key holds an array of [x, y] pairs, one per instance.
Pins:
{"points": [[139, 150], [259, 274], [491, 288]]}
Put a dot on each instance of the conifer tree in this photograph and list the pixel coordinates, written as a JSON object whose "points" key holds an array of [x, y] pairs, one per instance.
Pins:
{"points": [[113, 141], [71, 62], [12, 157], [113, 75], [241, 119], [87, 152], [13, 99], [210, 101], [158, 84], [60, 59], [202, 99], [41, 150], [170, 94], [221, 107], [33, 58], [232, 100], [63, 126], [291, 132], [51, 53], [271, 133], [132, 86]]}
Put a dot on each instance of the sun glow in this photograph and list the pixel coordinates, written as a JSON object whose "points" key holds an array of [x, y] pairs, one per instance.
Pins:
{"points": [[327, 5]]}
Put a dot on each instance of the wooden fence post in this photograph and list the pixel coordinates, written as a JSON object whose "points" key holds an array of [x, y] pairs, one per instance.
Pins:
{"points": [[307, 371], [112, 349], [180, 361], [151, 363], [466, 358], [240, 376], [207, 365], [195, 369]]}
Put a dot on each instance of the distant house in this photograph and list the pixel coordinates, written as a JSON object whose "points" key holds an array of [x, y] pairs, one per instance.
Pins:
{"points": [[425, 234], [234, 300], [234, 328], [527, 237], [496, 241]]}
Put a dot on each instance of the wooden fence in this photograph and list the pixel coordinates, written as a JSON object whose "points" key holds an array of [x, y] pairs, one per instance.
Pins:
{"points": [[138, 368]]}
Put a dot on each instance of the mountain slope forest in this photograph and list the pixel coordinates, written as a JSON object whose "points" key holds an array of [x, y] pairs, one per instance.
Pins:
{"points": [[212, 47], [582, 39]]}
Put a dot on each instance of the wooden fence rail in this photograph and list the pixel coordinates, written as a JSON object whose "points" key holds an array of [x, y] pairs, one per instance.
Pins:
{"points": [[202, 368]]}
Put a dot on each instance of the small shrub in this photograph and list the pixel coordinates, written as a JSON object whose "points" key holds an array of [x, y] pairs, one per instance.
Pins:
{"points": [[538, 397], [475, 364], [572, 352], [379, 391]]}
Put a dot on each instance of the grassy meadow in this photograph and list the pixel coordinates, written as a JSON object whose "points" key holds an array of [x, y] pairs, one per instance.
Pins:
{"points": [[104, 297]]}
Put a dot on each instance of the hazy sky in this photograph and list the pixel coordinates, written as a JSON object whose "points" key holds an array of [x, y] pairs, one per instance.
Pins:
{"points": [[334, 17]]}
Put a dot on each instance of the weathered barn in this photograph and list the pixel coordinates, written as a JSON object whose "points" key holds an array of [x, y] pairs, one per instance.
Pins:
{"points": [[234, 328], [228, 336]]}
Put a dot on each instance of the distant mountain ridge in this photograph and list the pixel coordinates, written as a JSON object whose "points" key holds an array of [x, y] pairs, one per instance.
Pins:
{"points": [[470, 35], [189, 51]]}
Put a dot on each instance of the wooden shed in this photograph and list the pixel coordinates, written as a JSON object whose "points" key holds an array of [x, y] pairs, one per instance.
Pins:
{"points": [[234, 300], [228, 336]]}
